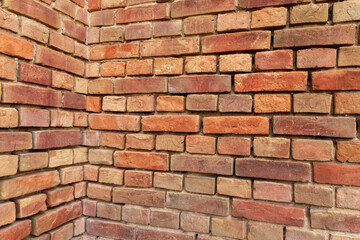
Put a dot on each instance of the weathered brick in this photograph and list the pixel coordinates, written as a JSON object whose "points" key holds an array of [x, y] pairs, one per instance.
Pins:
{"points": [[168, 66], [62, 80], [315, 126], [111, 34], [81, 85], [312, 150], [261, 231], [8, 118], [236, 125], [108, 211], [109, 229], [348, 151], [135, 214], [312, 103], [335, 80], [111, 176], [113, 69], [140, 141], [205, 102], [170, 47], [134, 178], [168, 181], [31, 205], [114, 104], [273, 169], [200, 144], [61, 118], [342, 237], [141, 85], [233, 21], [56, 138], [271, 147], [33, 161], [274, 60], [99, 191], [113, 140], [314, 195], [138, 31], [71, 174], [139, 67], [269, 103], [34, 30], [195, 222], [112, 4], [9, 21], [202, 164], [167, 28], [15, 231], [9, 213], [93, 35], [338, 174], [61, 42], [135, 196], [200, 184], [310, 36], [170, 104], [60, 157], [64, 232], [144, 13], [58, 196], [200, 64], [188, 8], [74, 101], [199, 25], [7, 68], [278, 192], [100, 86], [173, 143], [259, 40], [151, 161], [268, 212], [114, 122], [335, 221], [165, 219], [233, 146], [89, 207], [234, 187], [102, 18], [269, 17], [148, 234], [80, 155], [91, 138], [91, 173], [277, 81], [349, 56], [199, 84], [15, 141], [228, 228], [316, 58], [235, 103], [346, 11], [75, 30], [31, 117], [101, 156], [80, 119], [125, 50], [347, 198], [265, 3], [309, 13], [170, 123], [140, 104], [235, 63], [347, 103], [33, 9]]}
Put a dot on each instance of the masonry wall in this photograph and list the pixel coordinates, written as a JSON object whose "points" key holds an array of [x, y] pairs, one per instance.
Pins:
{"points": [[186, 119]]}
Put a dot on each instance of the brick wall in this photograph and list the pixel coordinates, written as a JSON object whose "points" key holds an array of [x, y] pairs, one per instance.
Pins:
{"points": [[185, 119]]}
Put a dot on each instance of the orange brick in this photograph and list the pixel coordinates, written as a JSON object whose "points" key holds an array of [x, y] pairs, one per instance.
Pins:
{"points": [[139, 67], [199, 25], [233, 21], [134, 178], [200, 144]]}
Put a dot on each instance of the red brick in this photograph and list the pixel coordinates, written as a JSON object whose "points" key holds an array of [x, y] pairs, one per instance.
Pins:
{"points": [[79, 226], [170, 104], [93, 5], [60, 195], [56, 217], [135, 196], [140, 141], [113, 140], [61, 118], [233, 146], [125, 50], [114, 122], [81, 3], [16, 47], [195, 222], [74, 101], [35, 10], [138, 2], [23, 185], [188, 7], [310, 36], [135, 214], [100, 86], [65, 6], [75, 30], [335, 221], [62, 80], [271, 103], [82, 15], [113, 69], [56, 138], [316, 58], [91, 173], [112, 4], [235, 103], [34, 74], [312, 102], [342, 237], [31, 205], [51, 58], [273, 169], [347, 198], [338, 174], [300, 234], [111, 34], [197, 203], [170, 47], [278, 192], [80, 119], [199, 25], [265, 3], [348, 151], [139, 67], [102, 18], [138, 31], [347, 103], [228, 228], [200, 64], [268, 212], [170, 123], [63, 232], [71, 174], [168, 66], [200, 184], [173, 143], [199, 84], [335, 80], [16, 231], [314, 195], [200, 144], [15, 141], [134, 178], [165, 219], [258, 231], [277, 81], [313, 150], [236, 125], [109, 211], [93, 104], [31, 117], [111, 176], [141, 85], [151, 161], [202, 164], [233, 21], [89, 207], [259, 40], [33, 161], [274, 60], [315, 126], [148, 234], [7, 68], [271, 147], [167, 28], [61, 42], [204, 102], [234, 187], [9, 21], [99, 191], [269, 18], [9, 213], [144, 13]]}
